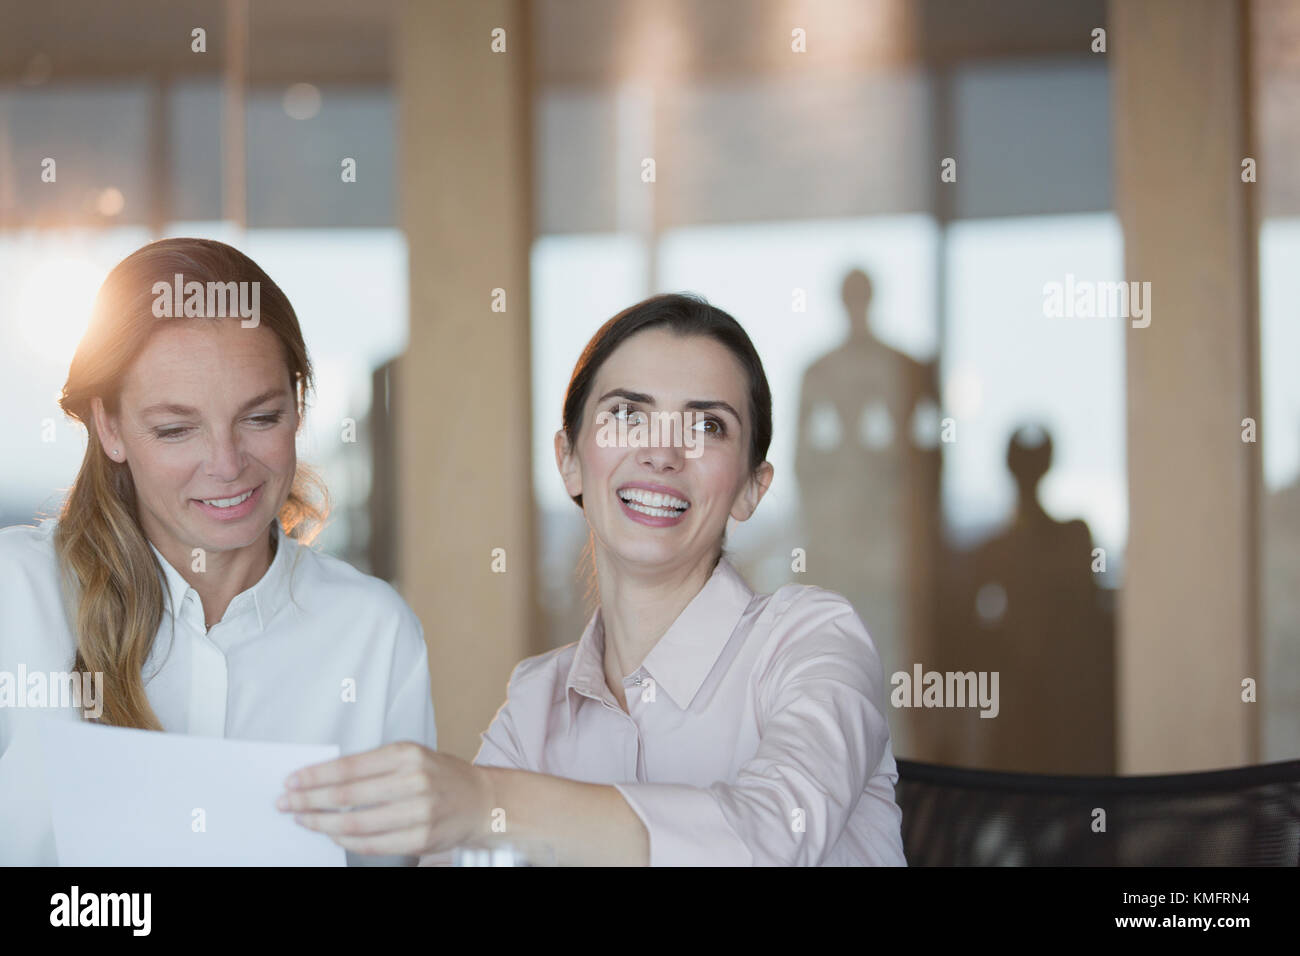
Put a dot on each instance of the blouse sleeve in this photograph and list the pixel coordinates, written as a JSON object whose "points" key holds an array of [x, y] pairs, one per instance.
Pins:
{"points": [[410, 711], [501, 744], [819, 696]]}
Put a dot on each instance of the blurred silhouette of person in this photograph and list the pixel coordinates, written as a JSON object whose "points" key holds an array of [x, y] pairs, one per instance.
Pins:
{"points": [[1030, 609], [867, 464], [1281, 667]]}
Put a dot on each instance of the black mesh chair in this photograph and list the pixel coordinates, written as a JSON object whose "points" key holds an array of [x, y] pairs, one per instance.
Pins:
{"points": [[957, 817]]}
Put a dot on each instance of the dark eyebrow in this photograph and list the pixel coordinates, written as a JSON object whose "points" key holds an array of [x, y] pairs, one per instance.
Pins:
{"points": [[697, 405], [170, 409], [641, 397], [709, 406]]}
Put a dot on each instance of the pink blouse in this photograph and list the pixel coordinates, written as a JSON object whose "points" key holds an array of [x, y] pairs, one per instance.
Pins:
{"points": [[756, 734]]}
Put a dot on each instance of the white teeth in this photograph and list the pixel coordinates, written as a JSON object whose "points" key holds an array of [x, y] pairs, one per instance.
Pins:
{"points": [[226, 502], [655, 501], [654, 512]]}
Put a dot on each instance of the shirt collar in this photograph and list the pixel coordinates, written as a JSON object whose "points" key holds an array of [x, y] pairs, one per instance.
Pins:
{"points": [[261, 599], [681, 659], [586, 671]]}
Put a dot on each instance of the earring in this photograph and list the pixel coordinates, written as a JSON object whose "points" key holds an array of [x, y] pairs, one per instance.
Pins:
{"points": [[116, 452]]}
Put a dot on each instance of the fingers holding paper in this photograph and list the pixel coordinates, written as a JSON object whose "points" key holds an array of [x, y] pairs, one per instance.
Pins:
{"points": [[401, 799]]}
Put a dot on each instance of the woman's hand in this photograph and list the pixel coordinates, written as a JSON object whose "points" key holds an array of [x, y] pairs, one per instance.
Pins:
{"points": [[408, 800]]}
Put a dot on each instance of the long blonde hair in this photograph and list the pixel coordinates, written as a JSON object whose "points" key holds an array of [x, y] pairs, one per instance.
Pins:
{"points": [[111, 576]]}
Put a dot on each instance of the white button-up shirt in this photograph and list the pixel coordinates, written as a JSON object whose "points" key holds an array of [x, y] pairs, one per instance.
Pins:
{"points": [[314, 653], [756, 733]]}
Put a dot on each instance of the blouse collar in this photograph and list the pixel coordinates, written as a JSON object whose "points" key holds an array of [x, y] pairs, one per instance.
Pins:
{"points": [[262, 599], [681, 659]]}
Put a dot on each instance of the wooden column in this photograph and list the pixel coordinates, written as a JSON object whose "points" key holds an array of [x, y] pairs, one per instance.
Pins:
{"points": [[1188, 612], [463, 420]]}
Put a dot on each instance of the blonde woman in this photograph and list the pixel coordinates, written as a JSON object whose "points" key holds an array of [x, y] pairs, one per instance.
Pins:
{"points": [[177, 572]]}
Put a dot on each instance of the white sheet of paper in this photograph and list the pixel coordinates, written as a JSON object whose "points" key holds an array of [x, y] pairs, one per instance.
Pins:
{"points": [[122, 797]]}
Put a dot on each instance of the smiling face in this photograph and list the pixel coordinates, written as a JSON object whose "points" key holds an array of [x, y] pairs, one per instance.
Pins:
{"points": [[206, 421], [667, 505]]}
